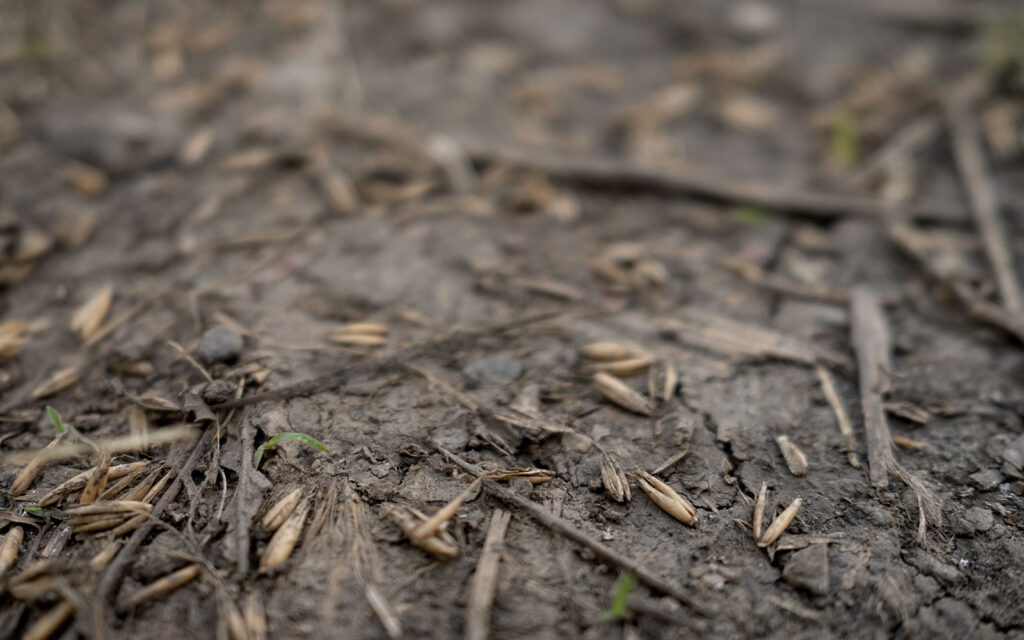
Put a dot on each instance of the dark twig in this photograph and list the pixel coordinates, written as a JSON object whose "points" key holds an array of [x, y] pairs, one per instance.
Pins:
{"points": [[984, 204], [871, 343], [596, 172], [553, 522], [112, 576]]}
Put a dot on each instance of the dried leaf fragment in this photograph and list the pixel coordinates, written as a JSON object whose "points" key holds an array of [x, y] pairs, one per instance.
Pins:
{"points": [[795, 458], [280, 547], [277, 514], [166, 584], [779, 524], [666, 497], [619, 393], [614, 480], [88, 318]]}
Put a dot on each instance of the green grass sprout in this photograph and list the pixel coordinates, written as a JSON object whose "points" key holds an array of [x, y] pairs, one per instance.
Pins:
{"points": [[57, 421], [619, 609], [271, 444]]}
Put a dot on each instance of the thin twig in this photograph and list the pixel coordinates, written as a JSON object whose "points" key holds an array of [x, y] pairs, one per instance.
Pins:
{"points": [[481, 586], [984, 204], [871, 343], [553, 522]]}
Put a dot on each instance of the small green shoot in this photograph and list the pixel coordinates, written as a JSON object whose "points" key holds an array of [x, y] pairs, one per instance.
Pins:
{"points": [[57, 421], [845, 141], [619, 609], [271, 444], [750, 215], [44, 512]]}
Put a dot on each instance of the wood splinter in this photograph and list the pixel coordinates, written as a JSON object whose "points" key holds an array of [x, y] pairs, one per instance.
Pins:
{"points": [[481, 586]]}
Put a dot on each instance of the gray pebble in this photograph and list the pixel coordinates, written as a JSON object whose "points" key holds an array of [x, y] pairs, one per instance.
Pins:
{"points": [[808, 569], [219, 344], [500, 368], [981, 519], [987, 479]]}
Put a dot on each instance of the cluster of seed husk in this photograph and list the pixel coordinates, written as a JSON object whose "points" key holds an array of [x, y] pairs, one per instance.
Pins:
{"points": [[666, 497]]}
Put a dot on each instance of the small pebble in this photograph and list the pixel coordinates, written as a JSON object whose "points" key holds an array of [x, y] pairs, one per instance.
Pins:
{"points": [[987, 479], [980, 518], [808, 569], [500, 368], [219, 344]]}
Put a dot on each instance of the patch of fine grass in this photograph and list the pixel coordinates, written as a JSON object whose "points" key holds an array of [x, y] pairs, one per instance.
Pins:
{"points": [[750, 215], [55, 418], [845, 141], [618, 610], [271, 444]]}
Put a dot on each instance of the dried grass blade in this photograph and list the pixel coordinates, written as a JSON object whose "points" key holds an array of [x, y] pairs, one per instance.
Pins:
{"points": [[77, 482], [759, 505], [59, 381], [409, 520], [445, 513], [49, 622], [31, 471]]}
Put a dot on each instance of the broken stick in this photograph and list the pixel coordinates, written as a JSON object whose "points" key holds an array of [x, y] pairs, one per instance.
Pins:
{"points": [[871, 342], [553, 522], [485, 579], [984, 204]]}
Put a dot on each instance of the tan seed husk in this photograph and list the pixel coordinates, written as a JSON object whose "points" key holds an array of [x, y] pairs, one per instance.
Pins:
{"points": [[628, 367], [88, 318], [77, 482], [280, 547], [908, 443], [533, 474], [409, 520], [362, 328], [255, 617], [779, 524], [618, 393], [90, 524], [795, 458], [97, 481], [607, 351], [661, 381], [166, 584], [277, 514], [433, 524], [86, 179], [31, 471], [9, 547], [759, 505], [129, 525], [34, 588], [13, 334], [614, 480], [235, 622], [116, 487], [666, 498], [103, 558], [358, 339], [49, 622], [56, 383], [138, 424], [153, 402], [110, 507]]}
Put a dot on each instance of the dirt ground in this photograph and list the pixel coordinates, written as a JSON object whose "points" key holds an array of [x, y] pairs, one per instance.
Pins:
{"points": [[728, 191]]}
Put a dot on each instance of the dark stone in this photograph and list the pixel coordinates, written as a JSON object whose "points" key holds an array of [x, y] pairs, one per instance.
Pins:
{"points": [[987, 479], [808, 569], [219, 344], [500, 368]]}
